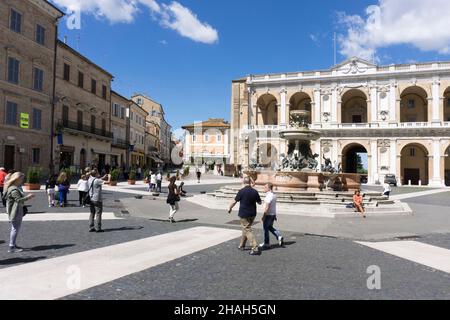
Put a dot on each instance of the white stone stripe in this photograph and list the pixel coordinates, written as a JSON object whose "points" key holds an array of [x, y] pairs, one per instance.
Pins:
{"points": [[418, 194], [425, 254], [57, 277], [63, 216]]}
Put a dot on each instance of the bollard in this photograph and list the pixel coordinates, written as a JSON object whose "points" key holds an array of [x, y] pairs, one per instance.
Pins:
{"points": [[420, 183], [409, 183]]}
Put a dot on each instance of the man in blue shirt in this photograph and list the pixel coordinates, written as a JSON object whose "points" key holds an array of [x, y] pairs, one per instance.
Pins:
{"points": [[248, 198]]}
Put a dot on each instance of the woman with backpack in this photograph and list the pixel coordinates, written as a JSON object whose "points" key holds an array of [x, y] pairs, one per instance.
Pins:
{"points": [[15, 207]]}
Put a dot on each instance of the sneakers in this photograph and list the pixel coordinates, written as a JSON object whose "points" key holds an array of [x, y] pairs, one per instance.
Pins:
{"points": [[280, 241], [100, 231], [172, 220], [255, 252], [15, 250], [92, 230], [264, 246]]}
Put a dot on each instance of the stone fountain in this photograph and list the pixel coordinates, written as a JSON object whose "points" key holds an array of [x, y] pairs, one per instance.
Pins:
{"points": [[298, 170]]}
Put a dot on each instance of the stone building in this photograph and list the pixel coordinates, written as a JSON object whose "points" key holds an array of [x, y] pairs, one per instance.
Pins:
{"points": [[207, 143], [398, 116], [156, 116], [119, 130], [137, 134], [153, 145], [82, 111], [28, 30]]}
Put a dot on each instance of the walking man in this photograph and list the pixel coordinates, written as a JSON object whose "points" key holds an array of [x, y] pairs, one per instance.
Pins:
{"points": [[269, 217], [199, 174], [159, 181], [248, 198], [96, 206]]}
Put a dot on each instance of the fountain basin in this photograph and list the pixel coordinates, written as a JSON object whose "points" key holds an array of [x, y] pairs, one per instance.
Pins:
{"points": [[299, 135], [294, 180]]}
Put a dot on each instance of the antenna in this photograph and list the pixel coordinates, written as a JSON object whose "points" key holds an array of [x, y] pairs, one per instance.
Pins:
{"points": [[334, 48], [78, 42]]}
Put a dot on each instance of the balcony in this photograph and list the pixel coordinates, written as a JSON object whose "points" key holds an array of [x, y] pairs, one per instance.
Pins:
{"points": [[119, 143], [81, 128]]}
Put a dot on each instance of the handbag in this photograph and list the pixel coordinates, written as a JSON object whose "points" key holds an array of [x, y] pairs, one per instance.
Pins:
{"points": [[87, 197]]}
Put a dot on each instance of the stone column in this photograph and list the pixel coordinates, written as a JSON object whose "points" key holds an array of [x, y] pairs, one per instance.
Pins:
{"points": [[334, 105], [436, 114], [187, 147], [283, 107], [436, 180], [225, 141], [373, 175], [317, 106], [374, 104], [393, 157], [393, 117]]}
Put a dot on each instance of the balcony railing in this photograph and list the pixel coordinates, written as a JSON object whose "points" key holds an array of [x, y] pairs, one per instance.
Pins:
{"points": [[352, 126], [119, 143], [63, 124]]}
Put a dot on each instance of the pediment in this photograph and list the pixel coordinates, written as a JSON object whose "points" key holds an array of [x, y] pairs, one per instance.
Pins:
{"points": [[354, 66]]}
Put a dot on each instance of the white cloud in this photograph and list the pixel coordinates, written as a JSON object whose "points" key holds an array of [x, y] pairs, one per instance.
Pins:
{"points": [[186, 23], [422, 24], [174, 15]]}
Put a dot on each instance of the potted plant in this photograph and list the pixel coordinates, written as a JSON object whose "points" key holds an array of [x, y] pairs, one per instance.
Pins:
{"points": [[114, 177], [33, 179], [168, 176], [132, 177], [178, 174], [146, 174]]}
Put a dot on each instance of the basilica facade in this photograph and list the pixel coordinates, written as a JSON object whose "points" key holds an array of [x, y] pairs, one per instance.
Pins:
{"points": [[398, 116]]}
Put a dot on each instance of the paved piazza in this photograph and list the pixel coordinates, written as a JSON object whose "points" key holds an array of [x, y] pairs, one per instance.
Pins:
{"points": [[142, 256]]}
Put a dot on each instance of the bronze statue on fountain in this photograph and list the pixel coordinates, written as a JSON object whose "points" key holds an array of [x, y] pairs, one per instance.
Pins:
{"points": [[298, 170]]}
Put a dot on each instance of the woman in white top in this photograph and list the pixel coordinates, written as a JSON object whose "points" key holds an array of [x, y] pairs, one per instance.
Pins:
{"points": [[153, 182], [83, 189], [387, 189]]}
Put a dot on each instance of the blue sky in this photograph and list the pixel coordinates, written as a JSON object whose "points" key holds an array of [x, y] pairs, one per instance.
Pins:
{"points": [[148, 51]]}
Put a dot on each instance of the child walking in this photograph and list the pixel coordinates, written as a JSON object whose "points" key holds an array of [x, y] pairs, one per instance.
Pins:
{"points": [[50, 185]]}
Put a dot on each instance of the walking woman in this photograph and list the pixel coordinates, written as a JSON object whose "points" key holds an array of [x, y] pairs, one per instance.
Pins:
{"points": [[173, 198], [63, 188], [358, 203], [15, 199]]}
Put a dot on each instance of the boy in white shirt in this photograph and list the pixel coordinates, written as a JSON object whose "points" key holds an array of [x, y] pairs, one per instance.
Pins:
{"points": [[269, 217], [83, 188], [387, 189]]}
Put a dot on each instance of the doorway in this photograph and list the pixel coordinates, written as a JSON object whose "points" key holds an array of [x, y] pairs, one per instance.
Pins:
{"points": [[9, 157]]}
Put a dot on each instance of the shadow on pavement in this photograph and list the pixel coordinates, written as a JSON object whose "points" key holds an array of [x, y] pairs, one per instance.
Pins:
{"points": [[123, 229], [50, 247], [176, 221], [12, 261], [276, 246]]}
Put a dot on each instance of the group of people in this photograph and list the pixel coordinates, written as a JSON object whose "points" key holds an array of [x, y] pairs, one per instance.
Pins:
{"points": [[154, 182], [14, 198], [248, 197]]}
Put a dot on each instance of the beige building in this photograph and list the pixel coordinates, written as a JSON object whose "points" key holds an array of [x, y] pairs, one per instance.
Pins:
{"points": [[137, 134], [119, 130], [156, 116], [398, 116], [82, 111], [207, 143], [27, 55], [153, 145]]}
